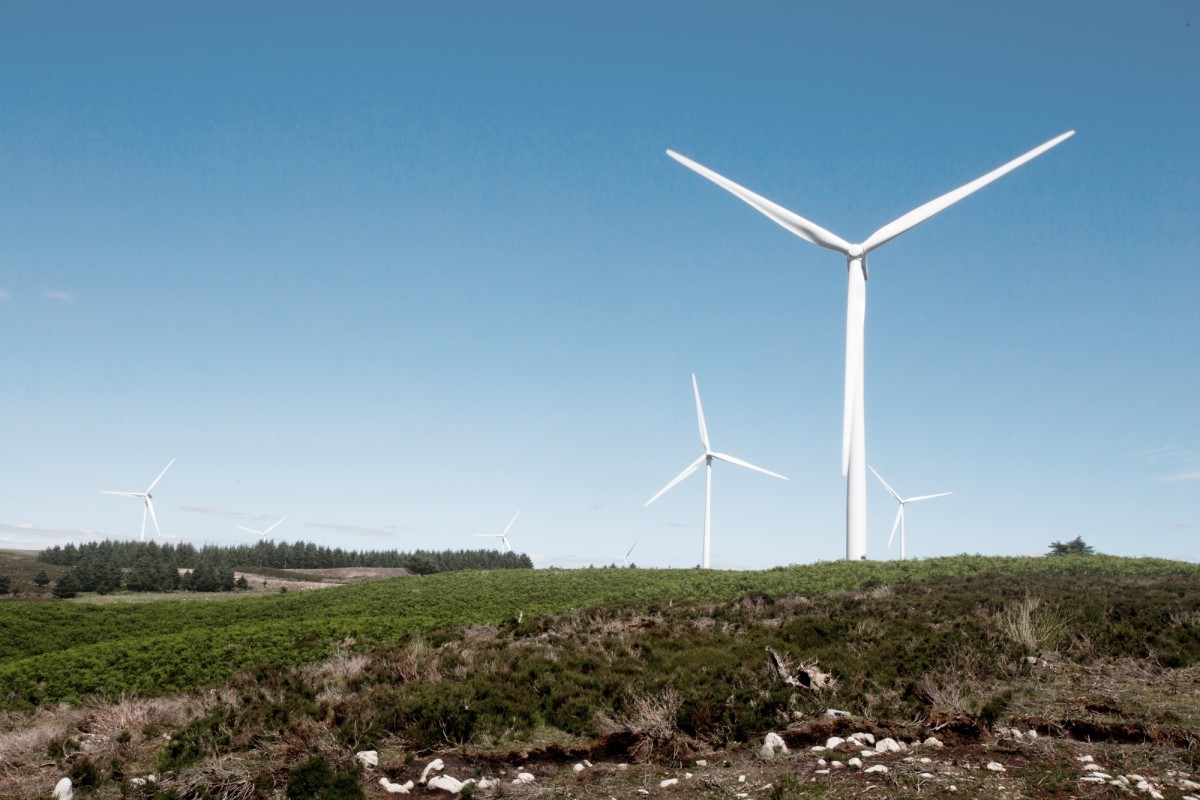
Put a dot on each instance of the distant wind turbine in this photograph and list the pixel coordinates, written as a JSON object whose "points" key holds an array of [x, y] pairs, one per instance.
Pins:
{"points": [[503, 537], [900, 511], [854, 447], [149, 504], [706, 458], [625, 558], [261, 534]]}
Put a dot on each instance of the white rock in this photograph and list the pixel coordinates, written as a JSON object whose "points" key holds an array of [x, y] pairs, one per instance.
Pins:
{"points": [[1031, 734], [1084, 759], [952, 788], [772, 744], [995, 766], [524, 777], [863, 736], [578, 768], [867, 753], [687, 776], [933, 741], [877, 768], [1091, 767], [925, 760], [488, 783], [818, 748], [369, 758], [822, 762], [855, 762], [445, 783], [396, 788], [700, 762], [437, 765], [833, 742], [668, 782], [1184, 783], [820, 772], [836, 714], [588, 764], [741, 778], [837, 765], [1133, 776], [887, 745], [1103, 775], [926, 775], [62, 790], [1016, 734], [643, 791]]}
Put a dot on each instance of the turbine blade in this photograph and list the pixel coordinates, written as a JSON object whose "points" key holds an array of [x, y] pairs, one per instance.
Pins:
{"points": [[159, 478], [142, 536], [268, 530], [927, 497], [248, 530], [891, 491], [896, 524], [154, 519], [919, 215], [123, 494], [630, 550], [695, 465], [795, 223], [700, 416], [510, 524], [856, 316], [747, 465]]}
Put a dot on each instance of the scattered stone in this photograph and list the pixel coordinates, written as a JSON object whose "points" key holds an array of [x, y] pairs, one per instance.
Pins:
{"points": [[446, 784], [63, 790], [524, 777], [925, 760], [772, 744], [396, 788], [818, 748], [1031, 734], [925, 775], [588, 764], [821, 772], [888, 745], [833, 742], [877, 768], [952, 788], [578, 768], [837, 765], [1184, 783], [488, 783], [933, 741], [1016, 734], [836, 714], [687, 776], [822, 762], [668, 782], [867, 753], [700, 762], [1091, 767], [1084, 759], [369, 758], [862, 736], [995, 766], [437, 765], [855, 762]]}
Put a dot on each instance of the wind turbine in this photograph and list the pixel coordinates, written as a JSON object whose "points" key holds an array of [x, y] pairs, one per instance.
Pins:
{"points": [[149, 507], [625, 558], [262, 534], [900, 511], [706, 458], [503, 537], [854, 447]]}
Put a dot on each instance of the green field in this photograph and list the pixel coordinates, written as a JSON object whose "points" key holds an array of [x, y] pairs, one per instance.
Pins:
{"points": [[51, 652]]}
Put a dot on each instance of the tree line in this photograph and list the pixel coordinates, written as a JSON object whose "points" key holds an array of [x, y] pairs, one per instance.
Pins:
{"points": [[108, 566]]}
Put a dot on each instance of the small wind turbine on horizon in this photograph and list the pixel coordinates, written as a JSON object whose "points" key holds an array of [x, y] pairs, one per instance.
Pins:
{"points": [[706, 458], [625, 558], [503, 537], [900, 511], [149, 504], [854, 448], [261, 534]]}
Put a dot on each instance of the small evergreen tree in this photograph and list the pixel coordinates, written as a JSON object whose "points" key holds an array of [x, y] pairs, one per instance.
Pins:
{"points": [[5, 584], [67, 586], [1075, 547], [41, 579]]}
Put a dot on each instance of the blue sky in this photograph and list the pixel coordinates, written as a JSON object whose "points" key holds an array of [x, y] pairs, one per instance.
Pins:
{"points": [[397, 270]]}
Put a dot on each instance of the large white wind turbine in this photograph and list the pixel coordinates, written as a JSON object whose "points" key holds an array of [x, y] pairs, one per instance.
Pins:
{"points": [[903, 501], [503, 537], [854, 448], [261, 534], [149, 506], [706, 458]]}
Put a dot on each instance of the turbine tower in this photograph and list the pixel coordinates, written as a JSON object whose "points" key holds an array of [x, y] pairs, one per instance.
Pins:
{"points": [[503, 537], [854, 446], [900, 511], [706, 458], [149, 504]]}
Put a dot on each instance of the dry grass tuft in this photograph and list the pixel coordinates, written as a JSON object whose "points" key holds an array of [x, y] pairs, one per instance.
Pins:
{"points": [[652, 719], [1033, 627]]}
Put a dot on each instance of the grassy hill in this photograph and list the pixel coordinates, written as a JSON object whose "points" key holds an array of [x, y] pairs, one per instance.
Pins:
{"points": [[654, 666]]}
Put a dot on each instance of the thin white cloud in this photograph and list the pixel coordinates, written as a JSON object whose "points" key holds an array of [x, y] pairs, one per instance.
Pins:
{"points": [[4, 295], [61, 296], [1185, 464], [216, 512], [27, 536], [358, 530], [1189, 475]]}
